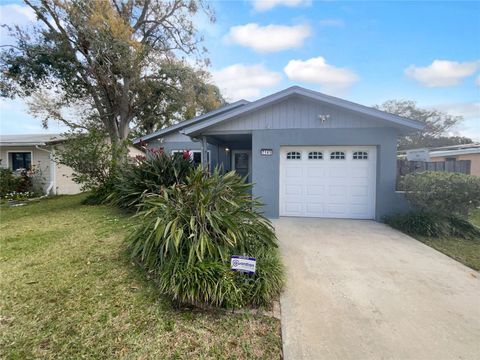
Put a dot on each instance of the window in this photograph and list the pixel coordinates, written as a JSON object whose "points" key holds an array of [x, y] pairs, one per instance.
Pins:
{"points": [[195, 156], [294, 155], [337, 155], [360, 155], [315, 155], [20, 160]]}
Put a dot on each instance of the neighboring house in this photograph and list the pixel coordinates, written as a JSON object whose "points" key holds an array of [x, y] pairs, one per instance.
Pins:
{"points": [[308, 154], [25, 151], [458, 152]]}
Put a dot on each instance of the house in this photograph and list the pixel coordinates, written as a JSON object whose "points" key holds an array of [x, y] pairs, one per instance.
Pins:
{"points": [[458, 152], [23, 151], [308, 154]]}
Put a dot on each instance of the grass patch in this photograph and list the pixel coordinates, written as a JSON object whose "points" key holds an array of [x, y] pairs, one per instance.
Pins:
{"points": [[69, 291], [466, 251]]}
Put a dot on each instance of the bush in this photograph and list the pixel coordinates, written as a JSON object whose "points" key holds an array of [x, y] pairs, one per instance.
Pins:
{"points": [[92, 157], [19, 184], [443, 193], [187, 234], [100, 194], [433, 225], [148, 175], [418, 223], [8, 182]]}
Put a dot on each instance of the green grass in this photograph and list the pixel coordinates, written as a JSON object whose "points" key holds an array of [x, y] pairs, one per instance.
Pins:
{"points": [[68, 290], [465, 251]]}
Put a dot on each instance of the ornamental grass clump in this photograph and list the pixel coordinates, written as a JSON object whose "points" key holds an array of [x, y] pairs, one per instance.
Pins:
{"points": [[187, 234], [148, 174]]}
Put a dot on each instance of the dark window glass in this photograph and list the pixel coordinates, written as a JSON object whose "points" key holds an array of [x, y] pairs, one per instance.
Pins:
{"points": [[360, 155], [20, 160], [294, 155], [337, 155], [315, 155]]}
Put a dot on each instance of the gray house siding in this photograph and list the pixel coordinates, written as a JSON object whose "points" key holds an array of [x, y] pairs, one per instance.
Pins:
{"points": [[265, 169], [297, 113]]}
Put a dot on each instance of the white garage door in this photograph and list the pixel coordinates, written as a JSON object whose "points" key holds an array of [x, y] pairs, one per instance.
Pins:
{"points": [[330, 182]]}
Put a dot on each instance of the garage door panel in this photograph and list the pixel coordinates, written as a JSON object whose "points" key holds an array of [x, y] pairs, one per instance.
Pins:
{"points": [[359, 173], [315, 172], [336, 210], [293, 190], [356, 190], [315, 209], [336, 190], [338, 172], [293, 172], [315, 190], [294, 208], [325, 187]]}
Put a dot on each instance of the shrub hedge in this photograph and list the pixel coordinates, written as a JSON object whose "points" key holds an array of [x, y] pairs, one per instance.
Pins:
{"points": [[443, 193], [187, 234]]}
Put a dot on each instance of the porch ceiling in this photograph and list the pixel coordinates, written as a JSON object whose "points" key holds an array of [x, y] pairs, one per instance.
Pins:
{"points": [[244, 140]]}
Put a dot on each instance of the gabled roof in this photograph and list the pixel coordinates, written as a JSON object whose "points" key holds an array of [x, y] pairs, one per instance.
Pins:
{"points": [[29, 139], [196, 128], [176, 127]]}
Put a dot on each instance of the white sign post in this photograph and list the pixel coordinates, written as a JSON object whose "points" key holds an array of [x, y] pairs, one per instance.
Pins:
{"points": [[243, 264]]}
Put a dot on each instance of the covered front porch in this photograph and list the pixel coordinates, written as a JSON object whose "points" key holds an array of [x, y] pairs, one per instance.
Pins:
{"points": [[232, 151]]}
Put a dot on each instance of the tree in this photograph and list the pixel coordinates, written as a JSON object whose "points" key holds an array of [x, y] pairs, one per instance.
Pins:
{"points": [[191, 97], [109, 63], [437, 125]]}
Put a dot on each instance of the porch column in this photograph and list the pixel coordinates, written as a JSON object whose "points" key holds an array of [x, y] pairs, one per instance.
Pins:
{"points": [[204, 153]]}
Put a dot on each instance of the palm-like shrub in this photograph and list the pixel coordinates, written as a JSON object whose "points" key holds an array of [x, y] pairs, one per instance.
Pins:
{"points": [[187, 234], [148, 175]]}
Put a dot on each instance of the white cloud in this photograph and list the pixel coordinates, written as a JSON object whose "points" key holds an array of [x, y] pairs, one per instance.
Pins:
{"points": [[265, 5], [332, 23], [316, 70], [470, 111], [268, 38], [15, 14], [477, 81], [442, 72], [241, 81]]}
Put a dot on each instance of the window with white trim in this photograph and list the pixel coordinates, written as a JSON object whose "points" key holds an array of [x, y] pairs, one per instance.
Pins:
{"points": [[294, 155], [337, 155], [315, 155], [195, 156], [20, 160], [360, 155]]}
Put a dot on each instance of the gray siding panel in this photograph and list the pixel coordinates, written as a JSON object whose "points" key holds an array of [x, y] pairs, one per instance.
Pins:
{"points": [[265, 169], [297, 113]]}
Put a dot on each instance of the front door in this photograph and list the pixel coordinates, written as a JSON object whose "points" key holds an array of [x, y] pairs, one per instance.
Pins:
{"points": [[241, 163]]}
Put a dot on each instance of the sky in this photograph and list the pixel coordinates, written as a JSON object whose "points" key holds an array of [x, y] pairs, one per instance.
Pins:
{"points": [[366, 52]]}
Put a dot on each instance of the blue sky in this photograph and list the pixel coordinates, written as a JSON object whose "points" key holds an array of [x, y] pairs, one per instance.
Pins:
{"points": [[366, 52]]}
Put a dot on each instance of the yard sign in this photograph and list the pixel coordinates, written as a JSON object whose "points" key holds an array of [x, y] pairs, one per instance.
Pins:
{"points": [[243, 264]]}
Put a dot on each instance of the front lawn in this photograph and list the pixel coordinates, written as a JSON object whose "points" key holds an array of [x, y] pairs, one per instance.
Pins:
{"points": [[465, 251], [69, 291]]}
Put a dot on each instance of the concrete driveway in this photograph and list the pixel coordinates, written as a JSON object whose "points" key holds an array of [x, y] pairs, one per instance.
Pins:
{"points": [[357, 289]]}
